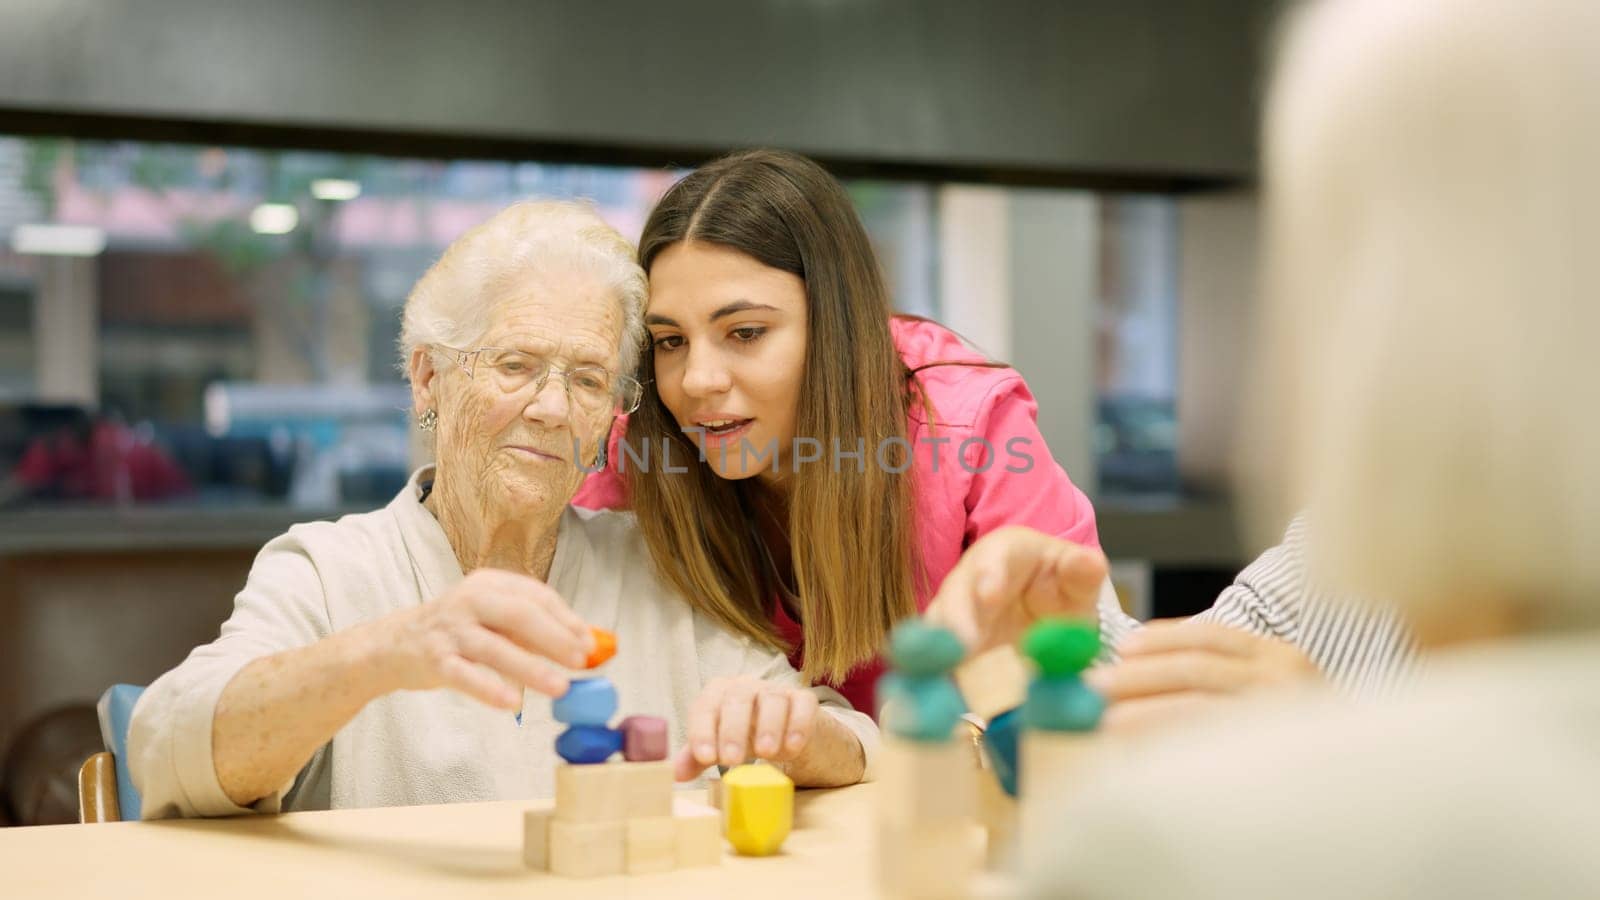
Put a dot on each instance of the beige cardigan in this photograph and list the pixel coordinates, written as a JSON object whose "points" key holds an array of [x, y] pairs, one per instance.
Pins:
{"points": [[414, 747]]}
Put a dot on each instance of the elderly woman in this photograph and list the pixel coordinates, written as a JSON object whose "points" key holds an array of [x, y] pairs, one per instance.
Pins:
{"points": [[388, 658], [1431, 377]]}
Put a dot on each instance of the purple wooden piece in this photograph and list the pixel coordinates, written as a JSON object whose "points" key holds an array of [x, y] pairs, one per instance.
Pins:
{"points": [[644, 738]]}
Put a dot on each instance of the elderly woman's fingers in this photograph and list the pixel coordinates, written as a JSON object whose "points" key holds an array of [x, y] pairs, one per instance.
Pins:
{"points": [[1150, 713], [733, 723], [702, 732], [485, 647], [479, 683], [531, 626], [1170, 673], [771, 723], [803, 706], [1170, 635]]}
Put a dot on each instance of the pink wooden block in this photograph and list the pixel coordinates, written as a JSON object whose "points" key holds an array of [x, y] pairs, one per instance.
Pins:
{"points": [[644, 738]]}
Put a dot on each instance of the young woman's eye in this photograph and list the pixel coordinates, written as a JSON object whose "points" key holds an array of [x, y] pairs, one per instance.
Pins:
{"points": [[748, 334], [668, 343]]}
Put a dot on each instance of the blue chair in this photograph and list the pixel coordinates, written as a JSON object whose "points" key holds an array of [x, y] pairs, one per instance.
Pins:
{"points": [[100, 798]]}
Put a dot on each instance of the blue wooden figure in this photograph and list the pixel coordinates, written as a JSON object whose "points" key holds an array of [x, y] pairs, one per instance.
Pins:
{"points": [[587, 706]]}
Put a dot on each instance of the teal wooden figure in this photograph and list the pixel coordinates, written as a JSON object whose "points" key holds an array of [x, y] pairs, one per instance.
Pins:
{"points": [[920, 702], [1058, 700]]}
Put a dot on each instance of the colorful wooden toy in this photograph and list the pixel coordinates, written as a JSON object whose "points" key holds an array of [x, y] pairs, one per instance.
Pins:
{"points": [[588, 701], [605, 647], [612, 818], [1059, 718], [927, 779], [644, 738], [757, 808]]}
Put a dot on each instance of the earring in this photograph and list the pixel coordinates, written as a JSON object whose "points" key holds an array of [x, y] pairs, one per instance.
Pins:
{"points": [[429, 420]]}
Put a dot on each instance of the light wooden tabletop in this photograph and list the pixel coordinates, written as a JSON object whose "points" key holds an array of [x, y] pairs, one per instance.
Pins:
{"points": [[461, 850]]}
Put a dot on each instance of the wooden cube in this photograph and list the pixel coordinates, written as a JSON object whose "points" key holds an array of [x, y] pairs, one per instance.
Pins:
{"points": [[587, 849], [646, 788], [698, 838], [714, 793], [592, 793], [923, 861], [536, 839], [651, 845], [926, 782]]}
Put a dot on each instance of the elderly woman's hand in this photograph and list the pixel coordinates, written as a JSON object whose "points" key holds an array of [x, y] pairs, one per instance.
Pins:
{"points": [[1175, 670], [737, 719], [1011, 577], [485, 637]]}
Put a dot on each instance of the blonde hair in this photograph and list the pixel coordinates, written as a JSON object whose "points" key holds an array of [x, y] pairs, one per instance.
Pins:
{"points": [[1433, 301], [453, 302]]}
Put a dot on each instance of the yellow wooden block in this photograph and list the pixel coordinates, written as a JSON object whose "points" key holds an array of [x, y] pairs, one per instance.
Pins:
{"points": [[651, 845], [536, 839], [930, 783], [918, 861], [698, 838], [587, 849], [758, 808]]}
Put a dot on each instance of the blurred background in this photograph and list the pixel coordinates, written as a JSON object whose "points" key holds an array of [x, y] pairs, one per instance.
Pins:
{"points": [[211, 212]]}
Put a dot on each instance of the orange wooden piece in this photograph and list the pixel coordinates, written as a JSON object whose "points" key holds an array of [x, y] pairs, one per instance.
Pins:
{"points": [[605, 647]]}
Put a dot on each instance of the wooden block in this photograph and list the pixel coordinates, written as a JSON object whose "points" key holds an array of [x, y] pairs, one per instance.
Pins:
{"points": [[646, 788], [931, 783], [587, 849], [644, 738], [698, 837], [651, 845], [590, 793], [758, 808], [925, 861], [714, 793], [1050, 762], [536, 839], [997, 812]]}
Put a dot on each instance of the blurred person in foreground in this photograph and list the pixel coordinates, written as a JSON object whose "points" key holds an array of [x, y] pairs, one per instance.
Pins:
{"points": [[398, 657], [1433, 303]]}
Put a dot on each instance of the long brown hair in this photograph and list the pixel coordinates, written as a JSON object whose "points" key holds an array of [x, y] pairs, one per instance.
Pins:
{"points": [[850, 532]]}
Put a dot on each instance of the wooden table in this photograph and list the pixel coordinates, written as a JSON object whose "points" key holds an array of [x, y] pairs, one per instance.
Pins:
{"points": [[458, 850]]}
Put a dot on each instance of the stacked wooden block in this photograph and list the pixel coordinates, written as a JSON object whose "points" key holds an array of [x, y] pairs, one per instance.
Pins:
{"points": [[927, 835], [612, 818]]}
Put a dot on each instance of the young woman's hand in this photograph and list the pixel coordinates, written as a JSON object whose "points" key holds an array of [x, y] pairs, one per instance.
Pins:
{"points": [[735, 720], [1011, 577]]}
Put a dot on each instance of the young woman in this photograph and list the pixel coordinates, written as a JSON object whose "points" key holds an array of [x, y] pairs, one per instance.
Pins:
{"points": [[806, 465]]}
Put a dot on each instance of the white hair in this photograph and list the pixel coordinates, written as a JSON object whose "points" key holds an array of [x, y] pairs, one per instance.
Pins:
{"points": [[453, 302], [1433, 300]]}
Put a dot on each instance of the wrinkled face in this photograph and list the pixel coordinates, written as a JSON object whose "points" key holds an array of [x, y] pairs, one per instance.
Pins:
{"points": [[515, 449], [729, 337]]}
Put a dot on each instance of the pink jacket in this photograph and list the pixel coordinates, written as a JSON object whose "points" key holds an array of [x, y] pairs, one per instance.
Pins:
{"points": [[964, 488]]}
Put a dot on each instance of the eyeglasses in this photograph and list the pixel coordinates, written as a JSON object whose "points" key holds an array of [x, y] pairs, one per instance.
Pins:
{"points": [[590, 388]]}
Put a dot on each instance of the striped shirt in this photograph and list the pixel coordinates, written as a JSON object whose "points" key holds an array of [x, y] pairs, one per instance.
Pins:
{"points": [[1363, 648]]}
